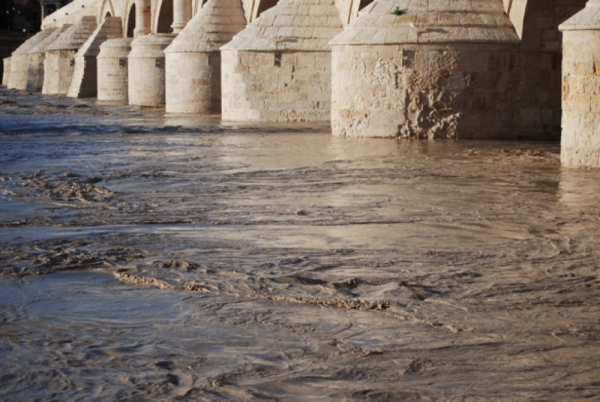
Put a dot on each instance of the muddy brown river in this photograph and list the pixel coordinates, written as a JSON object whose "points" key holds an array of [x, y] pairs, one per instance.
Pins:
{"points": [[149, 257]]}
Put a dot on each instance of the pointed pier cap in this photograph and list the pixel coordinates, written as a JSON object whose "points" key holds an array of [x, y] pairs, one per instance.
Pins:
{"points": [[586, 19], [292, 25], [212, 27], [110, 28], [416, 21], [74, 37], [43, 45], [114, 48], [34, 41], [150, 46]]}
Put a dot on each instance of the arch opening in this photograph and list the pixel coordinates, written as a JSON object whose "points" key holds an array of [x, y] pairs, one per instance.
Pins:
{"points": [[130, 22], [363, 4], [165, 17], [107, 15], [264, 5]]}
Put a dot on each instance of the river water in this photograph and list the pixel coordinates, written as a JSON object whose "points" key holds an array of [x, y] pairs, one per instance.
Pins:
{"points": [[152, 257]]}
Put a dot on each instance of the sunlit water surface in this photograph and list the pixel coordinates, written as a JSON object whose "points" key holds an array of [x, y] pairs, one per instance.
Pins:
{"points": [[146, 257]]}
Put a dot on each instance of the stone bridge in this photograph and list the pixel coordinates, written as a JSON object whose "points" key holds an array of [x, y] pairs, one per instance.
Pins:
{"points": [[480, 69]]}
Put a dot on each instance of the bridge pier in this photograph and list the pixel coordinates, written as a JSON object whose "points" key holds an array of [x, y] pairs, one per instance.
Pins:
{"points": [[19, 59], [113, 70], [580, 141], [85, 75], [146, 71], [35, 63], [59, 62], [279, 67], [6, 69], [437, 71], [193, 60]]}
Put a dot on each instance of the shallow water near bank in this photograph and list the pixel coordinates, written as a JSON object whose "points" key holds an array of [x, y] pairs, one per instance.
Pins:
{"points": [[153, 257]]}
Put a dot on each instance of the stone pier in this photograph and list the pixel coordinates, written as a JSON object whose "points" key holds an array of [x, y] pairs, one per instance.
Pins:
{"points": [[146, 74], [193, 60], [20, 59], [6, 71], [412, 70], [580, 142], [113, 70], [8, 44], [36, 57], [279, 67], [85, 83], [60, 56]]}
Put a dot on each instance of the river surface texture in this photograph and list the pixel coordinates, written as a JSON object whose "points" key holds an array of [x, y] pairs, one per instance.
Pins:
{"points": [[149, 257]]}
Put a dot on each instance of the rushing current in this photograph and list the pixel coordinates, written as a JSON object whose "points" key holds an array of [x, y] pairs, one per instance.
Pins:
{"points": [[153, 257]]}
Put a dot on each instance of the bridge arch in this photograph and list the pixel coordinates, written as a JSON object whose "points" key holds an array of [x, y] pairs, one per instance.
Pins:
{"points": [[536, 21], [107, 10], [164, 17], [130, 21], [258, 7]]}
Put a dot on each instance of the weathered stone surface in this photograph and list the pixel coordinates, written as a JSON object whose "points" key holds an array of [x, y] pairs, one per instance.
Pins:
{"points": [[8, 44], [473, 21], [35, 64], [74, 37], [113, 71], [146, 75], [279, 67], [434, 70], [6, 75], [421, 91], [19, 60], [59, 60], [580, 142], [193, 60], [301, 25], [84, 82]]}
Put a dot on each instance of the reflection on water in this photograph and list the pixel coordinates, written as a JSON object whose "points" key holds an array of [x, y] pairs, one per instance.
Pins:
{"points": [[161, 257]]}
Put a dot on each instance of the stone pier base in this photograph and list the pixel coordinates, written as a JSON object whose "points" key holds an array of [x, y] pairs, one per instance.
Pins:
{"points": [[279, 67], [59, 64], [147, 70], [36, 57], [193, 60], [6, 72], [431, 70], [580, 141], [422, 91], [193, 82], [20, 59], [113, 70], [84, 83], [276, 86]]}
